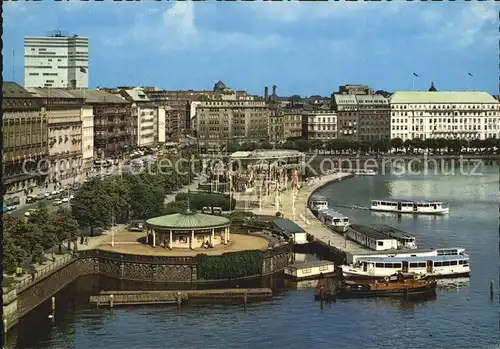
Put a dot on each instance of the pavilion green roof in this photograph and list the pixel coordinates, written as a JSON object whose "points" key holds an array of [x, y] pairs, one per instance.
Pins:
{"points": [[187, 221]]}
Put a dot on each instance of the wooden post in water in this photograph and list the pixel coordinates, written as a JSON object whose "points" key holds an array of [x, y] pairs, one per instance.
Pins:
{"points": [[245, 300], [178, 299], [322, 296], [492, 289], [53, 301], [4, 331], [111, 299]]}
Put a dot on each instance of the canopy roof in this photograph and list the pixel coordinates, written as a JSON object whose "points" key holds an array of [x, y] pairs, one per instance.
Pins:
{"points": [[187, 221]]}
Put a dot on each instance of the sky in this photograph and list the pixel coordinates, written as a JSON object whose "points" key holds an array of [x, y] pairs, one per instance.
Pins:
{"points": [[302, 48]]}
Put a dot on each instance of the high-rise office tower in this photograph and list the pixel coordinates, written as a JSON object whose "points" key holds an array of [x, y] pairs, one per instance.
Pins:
{"points": [[57, 61]]}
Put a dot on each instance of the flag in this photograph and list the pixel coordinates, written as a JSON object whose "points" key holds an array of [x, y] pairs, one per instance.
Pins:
{"points": [[82, 70], [471, 75], [415, 74]]}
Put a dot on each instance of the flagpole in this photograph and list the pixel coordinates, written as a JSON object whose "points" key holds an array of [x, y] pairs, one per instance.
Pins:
{"points": [[413, 83]]}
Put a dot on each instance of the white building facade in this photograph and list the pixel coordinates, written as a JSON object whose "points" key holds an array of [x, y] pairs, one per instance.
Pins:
{"points": [[444, 114], [57, 61], [320, 125], [87, 117]]}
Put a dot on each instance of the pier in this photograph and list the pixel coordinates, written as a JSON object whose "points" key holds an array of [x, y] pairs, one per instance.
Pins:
{"points": [[304, 218], [124, 298]]}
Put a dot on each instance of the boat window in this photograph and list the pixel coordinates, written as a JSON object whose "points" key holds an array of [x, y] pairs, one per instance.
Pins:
{"points": [[422, 265], [396, 265], [453, 262], [306, 271], [379, 265], [374, 203], [462, 262], [388, 265], [446, 263], [323, 267], [413, 265], [380, 243], [413, 255], [438, 264]]}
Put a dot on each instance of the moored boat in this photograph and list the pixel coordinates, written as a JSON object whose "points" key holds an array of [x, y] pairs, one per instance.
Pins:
{"points": [[399, 285], [318, 203], [365, 172], [410, 206], [441, 266]]}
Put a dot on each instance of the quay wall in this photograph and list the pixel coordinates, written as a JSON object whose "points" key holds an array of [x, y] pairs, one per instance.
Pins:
{"points": [[156, 269]]}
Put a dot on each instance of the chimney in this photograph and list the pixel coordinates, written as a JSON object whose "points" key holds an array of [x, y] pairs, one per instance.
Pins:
{"points": [[266, 93], [274, 90]]}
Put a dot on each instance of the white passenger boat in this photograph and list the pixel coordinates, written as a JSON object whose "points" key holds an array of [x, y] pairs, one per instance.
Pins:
{"points": [[365, 172], [435, 266], [410, 206], [427, 252], [333, 218], [309, 270], [404, 240], [318, 203]]}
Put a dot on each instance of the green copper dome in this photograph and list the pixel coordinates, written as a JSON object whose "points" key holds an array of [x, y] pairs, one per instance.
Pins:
{"points": [[187, 221]]}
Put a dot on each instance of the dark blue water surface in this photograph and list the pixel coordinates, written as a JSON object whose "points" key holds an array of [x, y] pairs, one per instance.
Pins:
{"points": [[462, 317]]}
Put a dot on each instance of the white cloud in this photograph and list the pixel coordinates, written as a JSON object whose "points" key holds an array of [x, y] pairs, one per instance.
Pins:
{"points": [[175, 29], [289, 12], [473, 25]]}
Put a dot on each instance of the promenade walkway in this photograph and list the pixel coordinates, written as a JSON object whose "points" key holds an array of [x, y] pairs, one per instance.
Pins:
{"points": [[306, 220]]}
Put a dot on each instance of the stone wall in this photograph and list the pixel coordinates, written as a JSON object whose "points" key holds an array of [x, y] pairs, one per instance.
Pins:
{"points": [[125, 267]]}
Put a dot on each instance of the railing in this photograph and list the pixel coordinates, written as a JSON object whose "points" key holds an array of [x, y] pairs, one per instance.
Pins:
{"points": [[39, 274]]}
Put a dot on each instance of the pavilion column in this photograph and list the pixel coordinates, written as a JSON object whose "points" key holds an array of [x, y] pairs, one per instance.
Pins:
{"points": [[225, 236], [213, 237], [154, 239], [147, 236], [228, 234], [192, 239], [170, 241]]}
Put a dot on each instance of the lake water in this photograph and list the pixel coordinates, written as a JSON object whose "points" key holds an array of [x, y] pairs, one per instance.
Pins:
{"points": [[462, 317]]}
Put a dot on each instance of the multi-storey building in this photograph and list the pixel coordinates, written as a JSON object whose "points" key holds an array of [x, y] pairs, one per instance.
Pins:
{"points": [[112, 122], [354, 89], [319, 125], [231, 116], [56, 61], [346, 107], [292, 124], [144, 116], [24, 126], [87, 116], [444, 114], [374, 117], [64, 118], [276, 129]]}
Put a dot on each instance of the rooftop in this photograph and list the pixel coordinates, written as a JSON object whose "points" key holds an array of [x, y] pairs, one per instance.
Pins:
{"points": [[187, 221], [311, 264], [97, 96], [14, 90], [51, 93], [393, 232], [369, 232], [287, 226], [442, 97], [333, 213], [137, 95]]}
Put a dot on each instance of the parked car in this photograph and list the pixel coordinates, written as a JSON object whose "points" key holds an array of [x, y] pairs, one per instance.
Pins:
{"points": [[30, 199], [40, 196], [57, 202]]}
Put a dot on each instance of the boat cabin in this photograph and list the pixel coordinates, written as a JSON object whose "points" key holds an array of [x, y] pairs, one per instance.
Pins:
{"points": [[428, 252], [371, 238], [318, 203], [333, 218], [445, 265], [405, 240], [310, 270]]}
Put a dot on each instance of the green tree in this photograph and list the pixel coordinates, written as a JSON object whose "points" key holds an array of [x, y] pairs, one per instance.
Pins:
{"points": [[397, 143], [408, 145], [63, 226], [15, 248]]}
